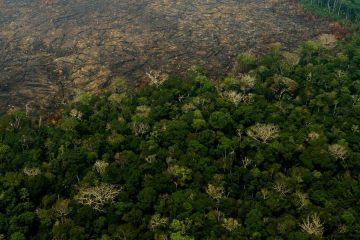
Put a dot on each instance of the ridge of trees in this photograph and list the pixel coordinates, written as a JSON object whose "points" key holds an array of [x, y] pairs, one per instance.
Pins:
{"points": [[347, 9]]}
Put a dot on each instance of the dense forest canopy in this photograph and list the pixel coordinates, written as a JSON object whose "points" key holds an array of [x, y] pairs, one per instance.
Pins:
{"points": [[269, 152], [348, 9]]}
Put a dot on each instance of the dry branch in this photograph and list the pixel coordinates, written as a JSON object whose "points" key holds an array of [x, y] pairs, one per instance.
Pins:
{"points": [[97, 197], [263, 132], [312, 225]]}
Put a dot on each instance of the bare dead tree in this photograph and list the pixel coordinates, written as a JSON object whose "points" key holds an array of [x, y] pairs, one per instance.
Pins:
{"points": [[338, 151], [263, 132], [61, 209], [236, 98], [140, 128], [215, 192], [233, 97], [16, 123], [328, 40], [97, 197], [76, 114], [101, 166], [156, 78], [265, 193], [281, 188], [313, 136], [157, 222], [32, 172], [247, 82], [312, 225], [302, 199], [246, 162], [150, 158], [230, 224]]}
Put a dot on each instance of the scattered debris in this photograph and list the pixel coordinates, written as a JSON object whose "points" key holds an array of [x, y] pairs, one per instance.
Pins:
{"points": [[49, 48]]}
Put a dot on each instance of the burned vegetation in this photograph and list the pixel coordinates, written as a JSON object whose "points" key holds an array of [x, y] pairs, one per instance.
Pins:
{"points": [[50, 48]]}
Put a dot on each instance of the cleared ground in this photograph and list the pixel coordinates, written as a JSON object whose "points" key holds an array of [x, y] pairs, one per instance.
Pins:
{"points": [[48, 48]]}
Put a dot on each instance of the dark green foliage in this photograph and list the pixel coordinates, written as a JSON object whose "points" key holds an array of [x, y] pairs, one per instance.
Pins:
{"points": [[348, 9], [184, 159]]}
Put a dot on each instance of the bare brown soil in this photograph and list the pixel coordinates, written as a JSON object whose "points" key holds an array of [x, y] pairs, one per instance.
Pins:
{"points": [[48, 48]]}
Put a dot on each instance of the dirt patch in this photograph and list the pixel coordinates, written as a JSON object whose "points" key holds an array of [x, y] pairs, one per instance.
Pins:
{"points": [[48, 48]]}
